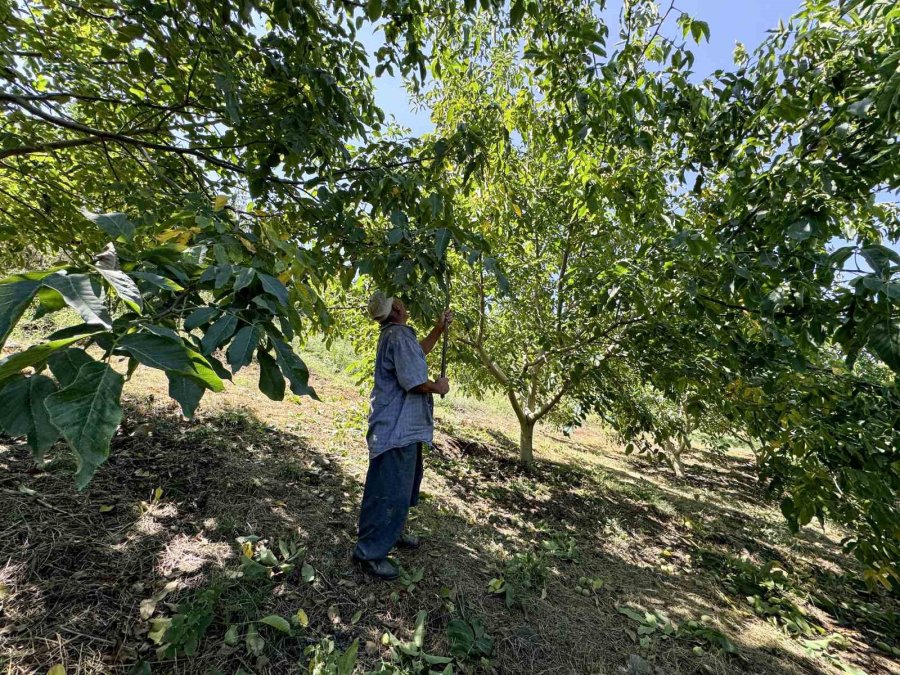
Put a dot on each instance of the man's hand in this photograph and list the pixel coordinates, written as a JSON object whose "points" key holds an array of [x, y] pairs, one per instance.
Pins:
{"points": [[440, 326], [439, 386], [442, 386], [444, 320]]}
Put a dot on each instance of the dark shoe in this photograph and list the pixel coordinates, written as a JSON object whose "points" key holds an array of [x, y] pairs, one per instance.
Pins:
{"points": [[382, 569], [408, 540]]}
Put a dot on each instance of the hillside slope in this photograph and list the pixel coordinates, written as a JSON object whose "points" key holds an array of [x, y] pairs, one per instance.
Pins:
{"points": [[609, 564]]}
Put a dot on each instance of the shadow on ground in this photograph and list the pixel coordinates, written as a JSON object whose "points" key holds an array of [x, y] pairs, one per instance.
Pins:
{"points": [[170, 503]]}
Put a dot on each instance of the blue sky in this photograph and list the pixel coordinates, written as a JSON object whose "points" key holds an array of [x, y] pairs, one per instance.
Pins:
{"points": [[730, 21]]}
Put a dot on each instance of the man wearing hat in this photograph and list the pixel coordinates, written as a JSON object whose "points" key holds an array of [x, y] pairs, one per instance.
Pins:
{"points": [[400, 422]]}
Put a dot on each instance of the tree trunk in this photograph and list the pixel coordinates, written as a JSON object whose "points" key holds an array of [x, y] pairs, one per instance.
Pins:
{"points": [[526, 441], [673, 453], [677, 464]]}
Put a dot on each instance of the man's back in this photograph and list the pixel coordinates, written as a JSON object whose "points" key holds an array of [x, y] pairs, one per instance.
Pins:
{"points": [[399, 416]]}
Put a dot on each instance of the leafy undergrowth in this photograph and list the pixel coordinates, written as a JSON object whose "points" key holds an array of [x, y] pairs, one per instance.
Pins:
{"points": [[222, 546]]}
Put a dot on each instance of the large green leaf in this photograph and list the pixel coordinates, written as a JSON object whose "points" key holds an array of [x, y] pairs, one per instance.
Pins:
{"points": [[87, 413], [240, 351], [244, 279], [271, 381], [294, 369], [200, 316], [884, 340], [13, 406], [274, 287], [880, 258], [441, 240], [116, 225], [158, 281], [22, 412], [14, 298], [66, 363], [43, 433], [34, 354], [125, 288], [167, 354], [218, 333], [78, 292], [49, 301], [187, 392]]}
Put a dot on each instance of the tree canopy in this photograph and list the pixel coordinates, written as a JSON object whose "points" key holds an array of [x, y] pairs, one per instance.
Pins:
{"points": [[616, 229]]}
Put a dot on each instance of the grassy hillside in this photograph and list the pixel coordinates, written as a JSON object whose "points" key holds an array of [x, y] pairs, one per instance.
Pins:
{"points": [[591, 562]]}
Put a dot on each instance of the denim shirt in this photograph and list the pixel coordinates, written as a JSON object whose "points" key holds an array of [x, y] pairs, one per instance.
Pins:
{"points": [[399, 416]]}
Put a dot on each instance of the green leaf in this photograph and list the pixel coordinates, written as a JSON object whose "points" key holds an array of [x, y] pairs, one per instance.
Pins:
{"points": [[880, 258], [800, 230], [49, 301], [240, 351], [158, 629], [163, 331], [346, 662], [631, 614], [42, 434], [200, 316], [271, 381], [65, 364], [13, 413], [125, 288], [274, 287], [255, 643], [34, 354], [461, 638], [516, 12], [167, 354], [884, 340], [373, 10], [87, 413], [395, 236], [187, 392], [78, 292], [223, 274], [302, 618], [277, 622], [116, 225], [307, 573], [419, 632], [294, 369], [158, 281], [441, 240], [244, 278], [82, 330], [436, 202], [218, 333], [147, 61], [15, 296], [232, 636]]}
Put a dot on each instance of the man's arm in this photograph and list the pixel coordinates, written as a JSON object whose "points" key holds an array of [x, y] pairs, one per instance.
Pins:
{"points": [[440, 386], [430, 340]]}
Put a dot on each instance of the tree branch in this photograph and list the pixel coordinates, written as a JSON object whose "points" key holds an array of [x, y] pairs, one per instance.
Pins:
{"points": [[49, 147], [492, 367], [548, 406]]}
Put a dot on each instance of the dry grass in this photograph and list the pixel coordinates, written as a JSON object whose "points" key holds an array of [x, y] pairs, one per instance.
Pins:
{"points": [[75, 567]]}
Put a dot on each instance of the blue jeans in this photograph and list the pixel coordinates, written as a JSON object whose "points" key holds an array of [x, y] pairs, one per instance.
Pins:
{"points": [[392, 487]]}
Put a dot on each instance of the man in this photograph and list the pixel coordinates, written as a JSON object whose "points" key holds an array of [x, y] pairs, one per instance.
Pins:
{"points": [[400, 422]]}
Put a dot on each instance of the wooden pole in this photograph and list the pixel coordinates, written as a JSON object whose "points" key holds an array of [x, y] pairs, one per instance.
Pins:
{"points": [[446, 335]]}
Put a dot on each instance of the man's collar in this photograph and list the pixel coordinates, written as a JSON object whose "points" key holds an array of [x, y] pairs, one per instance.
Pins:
{"points": [[394, 323]]}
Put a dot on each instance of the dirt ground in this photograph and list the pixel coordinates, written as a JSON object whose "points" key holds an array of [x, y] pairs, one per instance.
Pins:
{"points": [[86, 577]]}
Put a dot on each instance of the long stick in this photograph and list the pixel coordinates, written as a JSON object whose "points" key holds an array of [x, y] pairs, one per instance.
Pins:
{"points": [[444, 353], [446, 335]]}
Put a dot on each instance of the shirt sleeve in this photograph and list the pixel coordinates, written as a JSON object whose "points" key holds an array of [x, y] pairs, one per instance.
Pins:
{"points": [[408, 360]]}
